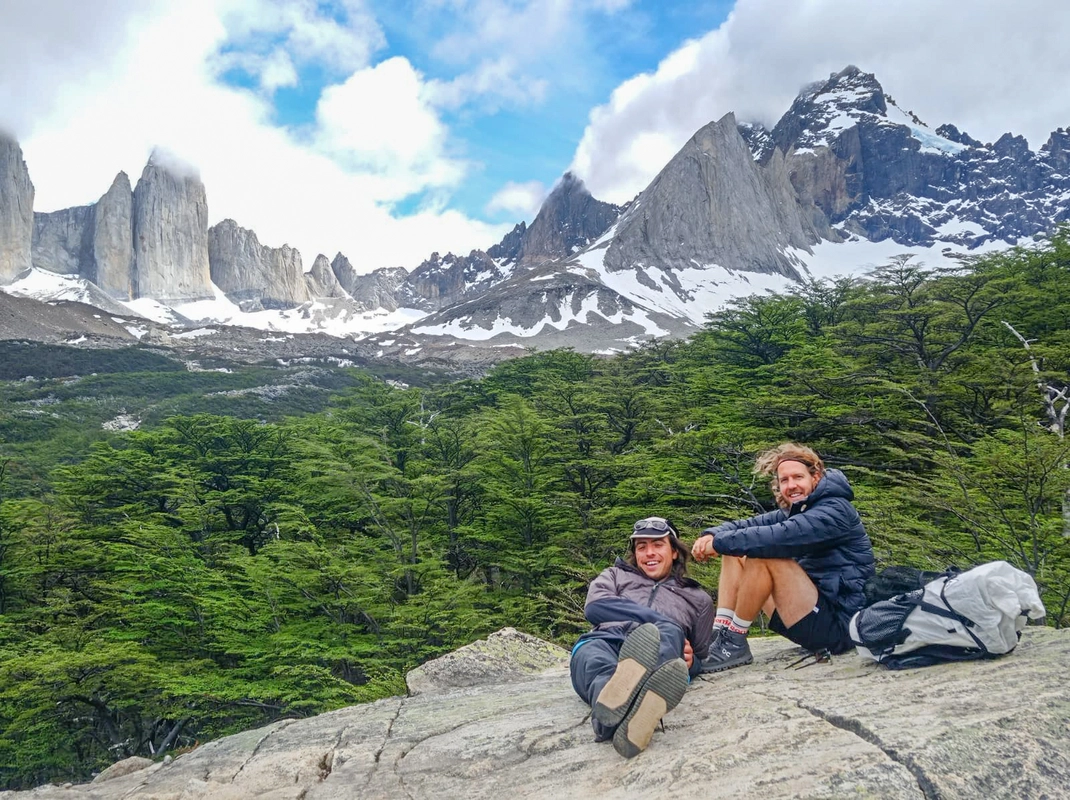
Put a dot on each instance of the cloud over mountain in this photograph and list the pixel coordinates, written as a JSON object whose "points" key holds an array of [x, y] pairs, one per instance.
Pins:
{"points": [[983, 69]]}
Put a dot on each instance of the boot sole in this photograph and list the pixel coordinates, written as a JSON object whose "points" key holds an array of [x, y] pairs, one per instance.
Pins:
{"points": [[660, 694], [637, 659]]}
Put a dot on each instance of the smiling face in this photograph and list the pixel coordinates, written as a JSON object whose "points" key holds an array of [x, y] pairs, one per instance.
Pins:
{"points": [[795, 481], [654, 557]]}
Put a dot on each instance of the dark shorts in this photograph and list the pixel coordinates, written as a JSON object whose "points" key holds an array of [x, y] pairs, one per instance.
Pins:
{"points": [[820, 629]]}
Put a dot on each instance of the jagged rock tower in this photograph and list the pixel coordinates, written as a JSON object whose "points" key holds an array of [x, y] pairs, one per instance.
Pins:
{"points": [[170, 235], [16, 211]]}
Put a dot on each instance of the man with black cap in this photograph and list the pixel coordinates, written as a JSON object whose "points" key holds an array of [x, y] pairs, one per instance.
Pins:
{"points": [[653, 626]]}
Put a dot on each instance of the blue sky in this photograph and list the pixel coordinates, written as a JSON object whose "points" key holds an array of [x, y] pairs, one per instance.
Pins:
{"points": [[525, 136], [388, 130]]}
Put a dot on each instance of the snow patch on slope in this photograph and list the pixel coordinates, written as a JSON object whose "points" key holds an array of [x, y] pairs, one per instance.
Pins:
{"points": [[40, 284]]}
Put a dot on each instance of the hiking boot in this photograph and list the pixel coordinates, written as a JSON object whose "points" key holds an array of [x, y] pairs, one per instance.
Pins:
{"points": [[661, 693], [729, 650], [637, 658], [715, 642]]}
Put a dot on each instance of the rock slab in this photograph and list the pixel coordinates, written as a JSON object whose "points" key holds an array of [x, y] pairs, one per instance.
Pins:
{"points": [[993, 729]]}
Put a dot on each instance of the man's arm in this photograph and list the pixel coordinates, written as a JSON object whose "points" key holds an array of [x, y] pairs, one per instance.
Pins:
{"points": [[617, 609], [604, 604], [702, 549], [791, 537]]}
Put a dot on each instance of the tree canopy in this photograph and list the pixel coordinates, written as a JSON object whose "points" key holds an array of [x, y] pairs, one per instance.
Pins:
{"points": [[209, 573]]}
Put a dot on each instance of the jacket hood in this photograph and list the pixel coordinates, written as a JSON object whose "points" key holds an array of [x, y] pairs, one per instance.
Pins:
{"points": [[833, 484]]}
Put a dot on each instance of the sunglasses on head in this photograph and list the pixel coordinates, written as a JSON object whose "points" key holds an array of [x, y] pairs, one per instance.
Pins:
{"points": [[654, 524]]}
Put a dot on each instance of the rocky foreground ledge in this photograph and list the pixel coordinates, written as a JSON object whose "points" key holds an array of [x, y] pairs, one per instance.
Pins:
{"points": [[498, 719]]}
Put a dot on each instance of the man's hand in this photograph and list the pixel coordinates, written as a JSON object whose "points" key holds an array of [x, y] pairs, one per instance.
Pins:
{"points": [[702, 549], [689, 653]]}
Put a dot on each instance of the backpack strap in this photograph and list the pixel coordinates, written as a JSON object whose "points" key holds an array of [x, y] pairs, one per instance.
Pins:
{"points": [[950, 613]]}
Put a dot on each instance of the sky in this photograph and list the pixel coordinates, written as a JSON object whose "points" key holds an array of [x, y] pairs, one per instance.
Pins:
{"points": [[390, 129]]}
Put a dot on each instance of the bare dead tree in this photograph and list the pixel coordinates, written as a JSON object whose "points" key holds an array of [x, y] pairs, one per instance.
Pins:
{"points": [[1056, 401]]}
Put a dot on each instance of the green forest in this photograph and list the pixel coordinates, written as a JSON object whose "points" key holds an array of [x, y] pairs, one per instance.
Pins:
{"points": [[281, 557]]}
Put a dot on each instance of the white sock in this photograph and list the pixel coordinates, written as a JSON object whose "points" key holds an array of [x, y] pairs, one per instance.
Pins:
{"points": [[738, 625], [723, 618]]}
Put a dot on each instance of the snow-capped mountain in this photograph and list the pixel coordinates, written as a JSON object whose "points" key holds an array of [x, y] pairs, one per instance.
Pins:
{"points": [[845, 180], [877, 171]]}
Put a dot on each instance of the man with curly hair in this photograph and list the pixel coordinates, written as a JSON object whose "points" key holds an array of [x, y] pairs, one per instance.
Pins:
{"points": [[804, 564]]}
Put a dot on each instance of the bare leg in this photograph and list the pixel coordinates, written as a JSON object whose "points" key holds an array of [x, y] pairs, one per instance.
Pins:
{"points": [[761, 584], [731, 576], [775, 583]]}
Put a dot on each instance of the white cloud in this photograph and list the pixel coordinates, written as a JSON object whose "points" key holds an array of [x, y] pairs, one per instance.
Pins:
{"points": [[521, 199], [341, 35], [116, 97], [520, 46], [49, 55], [988, 67], [379, 121]]}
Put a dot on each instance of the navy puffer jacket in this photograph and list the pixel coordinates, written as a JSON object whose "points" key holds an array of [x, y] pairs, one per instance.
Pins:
{"points": [[822, 532]]}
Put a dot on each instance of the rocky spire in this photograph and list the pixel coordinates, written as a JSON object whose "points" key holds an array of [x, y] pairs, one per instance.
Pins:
{"points": [[248, 271], [714, 204], [569, 220], [511, 245], [170, 214], [16, 211], [113, 240], [1057, 151], [320, 280], [374, 290]]}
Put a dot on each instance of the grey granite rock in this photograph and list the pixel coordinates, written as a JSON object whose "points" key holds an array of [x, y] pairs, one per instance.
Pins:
{"points": [[373, 290], [1057, 151], [875, 170], [508, 656], [113, 240], [170, 214], [320, 281], [63, 240], [569, 220], [993, 729], [246, 270], [94, 242], [713, 204], [508, 249], [444, 281], [124, 767], [16, 211]]}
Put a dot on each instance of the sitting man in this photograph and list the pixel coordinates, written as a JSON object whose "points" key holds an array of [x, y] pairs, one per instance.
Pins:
{"points": [[805, 564], [653, 626]]}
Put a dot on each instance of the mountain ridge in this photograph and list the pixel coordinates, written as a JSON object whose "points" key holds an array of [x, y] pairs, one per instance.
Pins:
{"points": [[740, 208]]}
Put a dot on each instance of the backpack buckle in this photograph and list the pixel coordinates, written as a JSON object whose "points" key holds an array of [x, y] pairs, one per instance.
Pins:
{"points": [[822, 656]]}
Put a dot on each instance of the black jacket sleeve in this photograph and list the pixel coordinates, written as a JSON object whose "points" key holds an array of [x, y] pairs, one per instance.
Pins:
{"points": [[776, 535]]}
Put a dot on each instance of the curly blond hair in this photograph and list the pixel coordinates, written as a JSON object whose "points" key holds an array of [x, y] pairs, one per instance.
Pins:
{"points": [[767, 463]]}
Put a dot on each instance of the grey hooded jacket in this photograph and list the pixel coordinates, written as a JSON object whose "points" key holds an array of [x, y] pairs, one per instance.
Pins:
{"points": [[622, 598]]}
